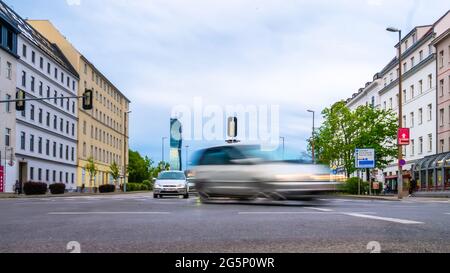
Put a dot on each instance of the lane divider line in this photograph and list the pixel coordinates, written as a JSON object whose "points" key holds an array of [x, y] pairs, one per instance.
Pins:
{"points": [[108, 213], [394, 220]]}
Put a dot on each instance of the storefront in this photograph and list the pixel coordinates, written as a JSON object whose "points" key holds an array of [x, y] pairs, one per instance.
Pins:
{"points": [[432, 173], [391, 180]]}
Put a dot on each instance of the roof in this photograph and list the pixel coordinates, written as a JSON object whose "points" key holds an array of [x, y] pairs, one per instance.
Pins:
{"points": [[36, 38]]}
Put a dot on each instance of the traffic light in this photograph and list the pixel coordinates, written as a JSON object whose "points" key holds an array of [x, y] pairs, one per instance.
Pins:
{"points": [[20, 100], [87, 100]]}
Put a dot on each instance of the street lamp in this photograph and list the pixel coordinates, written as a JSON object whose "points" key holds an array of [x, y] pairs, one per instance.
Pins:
{"points": [[187, 156], [400, 121], [125, 151], [162, 148], [313, 136], [283, 139]]}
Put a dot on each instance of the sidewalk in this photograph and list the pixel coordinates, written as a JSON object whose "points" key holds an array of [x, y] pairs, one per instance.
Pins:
{"points": [[417, 197], [69, 194]]}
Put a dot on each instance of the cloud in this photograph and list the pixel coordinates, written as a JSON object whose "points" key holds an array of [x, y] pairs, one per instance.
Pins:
{"points": [[298, 54]]}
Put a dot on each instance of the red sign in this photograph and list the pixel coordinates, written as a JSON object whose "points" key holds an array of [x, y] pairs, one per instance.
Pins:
{"points": [[403, 136], [2, 179]]}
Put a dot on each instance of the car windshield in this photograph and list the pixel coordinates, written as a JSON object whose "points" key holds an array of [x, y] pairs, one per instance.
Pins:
{"points": [[256, 152], [171, 176]]}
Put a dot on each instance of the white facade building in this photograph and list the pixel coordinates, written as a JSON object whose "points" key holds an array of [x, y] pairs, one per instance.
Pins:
{"points": [[8, 66], [46, 132], [418, 97]]}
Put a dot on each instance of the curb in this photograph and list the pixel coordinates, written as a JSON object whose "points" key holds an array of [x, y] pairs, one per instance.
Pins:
{"points": [[13, 196]]}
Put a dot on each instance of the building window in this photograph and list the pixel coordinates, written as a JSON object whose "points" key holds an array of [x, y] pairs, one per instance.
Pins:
{"points": [[24, 51], [412, 147], [441, 117], [73, 154], [404, 121], [41, 63], [48, 119], [32, 83], [411, 91], [430, 81], [430, 112], [33, 56], [48, 68], [441, 88], [412, 62], [22, 140], [39, 174], [40, 145], [47, 175], [8, 104], [420, 87], [61, 148], [32, 112], [47, 147], [41, 87], [420, 145], [31, 173], [54, 176], [31, 143], [8, 70], [40, 115], [441, 59], [24, 79], [441, 145], [84, 149], [7, 137], [405, 67], [411, 116], [54, 149], [404, 96], [430, 142]]}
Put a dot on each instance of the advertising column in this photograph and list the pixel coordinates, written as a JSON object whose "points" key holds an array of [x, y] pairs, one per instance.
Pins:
{"points": [[175, 144]]}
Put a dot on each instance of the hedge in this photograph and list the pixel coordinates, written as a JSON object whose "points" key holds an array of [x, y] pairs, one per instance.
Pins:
{"points": [[137, 187], [35, 188], [149, 184], [107, 188], [58, 188]]}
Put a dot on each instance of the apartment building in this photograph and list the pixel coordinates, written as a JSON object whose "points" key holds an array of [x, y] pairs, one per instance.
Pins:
{"points": [[45, 132], [8, 67], [425, 103], [103, 133]]}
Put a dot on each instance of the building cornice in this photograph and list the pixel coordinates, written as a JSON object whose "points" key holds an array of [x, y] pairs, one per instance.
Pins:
{"points": [[45, 159]]}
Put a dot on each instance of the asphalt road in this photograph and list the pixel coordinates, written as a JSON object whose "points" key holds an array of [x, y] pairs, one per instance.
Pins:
{"points": [[139, 223]]}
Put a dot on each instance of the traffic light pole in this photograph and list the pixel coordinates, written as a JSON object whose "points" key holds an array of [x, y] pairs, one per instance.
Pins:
{"points": [[38, 99]]}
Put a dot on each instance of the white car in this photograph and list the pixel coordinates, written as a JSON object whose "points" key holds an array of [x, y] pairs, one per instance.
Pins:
{"points": [[171, 183], [247, 172]]}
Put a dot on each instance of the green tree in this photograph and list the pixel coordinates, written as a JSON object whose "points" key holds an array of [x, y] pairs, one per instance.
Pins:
{"points": [[91, 168], [114, 171], [343, 131], [138, 167]]}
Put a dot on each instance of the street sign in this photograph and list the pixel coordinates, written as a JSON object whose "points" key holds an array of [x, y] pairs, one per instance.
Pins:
{"points": [[402, 162], [365, 158], [403, 136], [2, 179]]}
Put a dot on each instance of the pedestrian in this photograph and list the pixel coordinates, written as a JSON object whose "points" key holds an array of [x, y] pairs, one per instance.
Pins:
{"points": [[16, 187], [385, 188], [82, 188], [412, 187]]}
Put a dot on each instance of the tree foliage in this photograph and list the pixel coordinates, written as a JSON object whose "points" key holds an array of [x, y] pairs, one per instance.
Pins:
{"points": [[344, 130], [91, 168], [142, 168]]}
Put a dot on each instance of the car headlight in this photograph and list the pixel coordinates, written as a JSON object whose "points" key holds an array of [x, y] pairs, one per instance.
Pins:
{"points": [[157, 186], [180, 185]]}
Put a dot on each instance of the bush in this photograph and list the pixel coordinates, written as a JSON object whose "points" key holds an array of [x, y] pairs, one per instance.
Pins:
{"points": [[107, 188], [149, 184], [58, 188], [35, 188], [137, 187], [351, 186]]}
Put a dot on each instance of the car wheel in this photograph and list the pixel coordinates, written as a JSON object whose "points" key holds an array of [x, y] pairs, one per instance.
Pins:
{"points": [[186, 196], [155, 196]]}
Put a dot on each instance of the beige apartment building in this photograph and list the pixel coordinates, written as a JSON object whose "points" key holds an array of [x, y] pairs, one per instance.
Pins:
{"points": [[102, 132]]}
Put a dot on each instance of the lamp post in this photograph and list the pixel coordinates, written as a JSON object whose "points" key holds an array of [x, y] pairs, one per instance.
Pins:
{"points": [[187, 157], [400, 119], [125, 151], [313, 136], [283, 139]]}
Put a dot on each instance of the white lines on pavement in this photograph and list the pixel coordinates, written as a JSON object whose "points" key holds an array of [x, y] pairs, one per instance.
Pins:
{"points": [[109, 213], [278, 212], [319, 209], [394, 220]]}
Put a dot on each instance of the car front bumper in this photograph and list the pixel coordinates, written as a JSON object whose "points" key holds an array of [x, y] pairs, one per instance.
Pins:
{"points": [[170, 191]]}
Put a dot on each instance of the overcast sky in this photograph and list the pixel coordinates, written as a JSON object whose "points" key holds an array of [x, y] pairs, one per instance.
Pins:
{"points": [[296, 54]]}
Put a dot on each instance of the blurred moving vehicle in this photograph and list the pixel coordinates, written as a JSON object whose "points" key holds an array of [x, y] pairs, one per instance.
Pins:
{"points": [[171, 183], [247, 172]]}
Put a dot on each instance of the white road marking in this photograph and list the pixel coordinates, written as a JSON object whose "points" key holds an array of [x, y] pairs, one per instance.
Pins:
{"points": [[108, 213], [394, 220], [279, 212], [320, 209]]}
